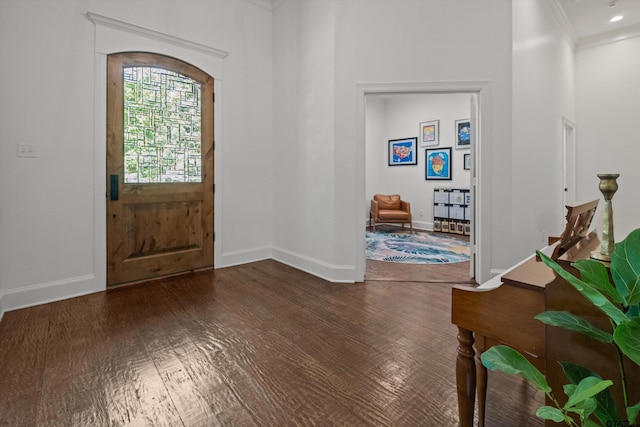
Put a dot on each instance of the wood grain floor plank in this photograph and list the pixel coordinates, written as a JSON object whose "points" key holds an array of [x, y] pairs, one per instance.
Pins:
{"points": [[351, 335], [183, 359], [23, 338], [261, 344], [135, 388], [258, 377]]}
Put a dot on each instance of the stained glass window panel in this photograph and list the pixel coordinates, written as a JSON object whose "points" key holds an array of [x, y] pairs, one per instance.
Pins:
{"points": [[162, 129]]}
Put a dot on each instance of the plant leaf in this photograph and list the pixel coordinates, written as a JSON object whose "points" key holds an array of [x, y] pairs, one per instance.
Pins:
{"points": [[586, 389], [606, 410], [505, 359], [585, 408], [596, 274], [632, 412], [550, 413], [588, 291], [625, 267], [569, 389], [570, 321], [627, 336], [590, 423]]}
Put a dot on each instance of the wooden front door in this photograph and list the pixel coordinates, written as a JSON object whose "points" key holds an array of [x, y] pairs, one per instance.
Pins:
{"points": [[159, 167]]}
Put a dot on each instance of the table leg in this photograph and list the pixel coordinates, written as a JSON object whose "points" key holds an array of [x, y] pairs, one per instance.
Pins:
{"points": [[466, 377], [481, 387]]}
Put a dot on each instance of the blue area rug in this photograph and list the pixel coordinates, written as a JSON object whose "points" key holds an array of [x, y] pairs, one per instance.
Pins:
{"points": [[416, 248]]}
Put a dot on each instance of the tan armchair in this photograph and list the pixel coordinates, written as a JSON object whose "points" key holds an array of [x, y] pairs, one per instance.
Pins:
{"points": [[389, 209]]}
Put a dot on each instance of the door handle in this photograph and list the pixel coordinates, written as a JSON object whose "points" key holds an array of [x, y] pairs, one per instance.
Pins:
{"points": [[113, 186]]}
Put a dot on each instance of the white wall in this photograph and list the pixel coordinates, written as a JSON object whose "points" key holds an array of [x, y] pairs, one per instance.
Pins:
{"points": [[50, 216], [543, 93], [607, 93], [399, 117], [435, 42], [304, 127], [319, 172], [375, 160]]}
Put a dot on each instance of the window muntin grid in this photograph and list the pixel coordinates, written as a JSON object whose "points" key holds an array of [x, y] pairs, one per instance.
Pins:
{"points": [[162, 126]]}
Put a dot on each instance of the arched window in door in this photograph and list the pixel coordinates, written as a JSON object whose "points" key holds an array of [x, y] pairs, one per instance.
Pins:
{"points": [[162, 126]]}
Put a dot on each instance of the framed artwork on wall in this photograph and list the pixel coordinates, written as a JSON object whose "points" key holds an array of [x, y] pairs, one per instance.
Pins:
{"points": [[429, 133], [467, 162], [463, 133], [403, 152], [438, 163]]}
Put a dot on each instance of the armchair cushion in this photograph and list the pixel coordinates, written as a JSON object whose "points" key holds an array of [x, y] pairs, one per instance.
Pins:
{"points": [[393, 214], [391, 201]]}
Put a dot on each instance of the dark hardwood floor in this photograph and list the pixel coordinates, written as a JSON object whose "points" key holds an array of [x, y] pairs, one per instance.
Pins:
{"points": [[261, 344]]}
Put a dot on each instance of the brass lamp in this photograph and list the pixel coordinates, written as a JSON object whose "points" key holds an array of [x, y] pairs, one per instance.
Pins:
{"points": [[608, 186]]}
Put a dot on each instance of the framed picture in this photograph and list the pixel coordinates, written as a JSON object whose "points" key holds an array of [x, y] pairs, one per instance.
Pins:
{"points": [[429, 133], [463, 133], [438, 163], [403, 152], [467, 162]]}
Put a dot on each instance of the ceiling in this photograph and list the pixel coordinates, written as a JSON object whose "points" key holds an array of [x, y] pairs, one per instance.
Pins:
{"points": [[591, 17]]}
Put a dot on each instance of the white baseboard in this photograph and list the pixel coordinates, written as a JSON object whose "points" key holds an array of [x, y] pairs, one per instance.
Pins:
{"points": [[419, 225], [14, 299], [423, 225], [326, 271], [245, 256], [330, 272]]}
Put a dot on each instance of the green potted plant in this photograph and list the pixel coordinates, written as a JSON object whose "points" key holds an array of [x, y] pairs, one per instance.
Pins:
{"points": [[589, 399]]}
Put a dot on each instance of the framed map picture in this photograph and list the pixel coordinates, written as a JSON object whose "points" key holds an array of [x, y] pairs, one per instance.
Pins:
{"points": [[463, 133], [438, 163], [429, 133], [403, 152]]}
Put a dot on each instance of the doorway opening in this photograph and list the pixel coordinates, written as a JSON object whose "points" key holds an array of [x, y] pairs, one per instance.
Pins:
{"points": [[481, 105], [390, 116]]}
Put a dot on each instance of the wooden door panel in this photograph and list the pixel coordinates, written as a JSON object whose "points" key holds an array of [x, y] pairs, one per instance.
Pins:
{"points": [[162, 228], [156, 229]]}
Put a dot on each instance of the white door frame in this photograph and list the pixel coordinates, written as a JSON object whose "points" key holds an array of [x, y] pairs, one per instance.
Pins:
{"points": [[112, 35], [474, 116], [568, 162], [481, 163]]}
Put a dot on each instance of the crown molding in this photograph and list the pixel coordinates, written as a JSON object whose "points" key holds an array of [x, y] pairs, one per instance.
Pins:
{"points": [[153, 34], [265, 4], [562, 21], [277, 3], [609, 37]]}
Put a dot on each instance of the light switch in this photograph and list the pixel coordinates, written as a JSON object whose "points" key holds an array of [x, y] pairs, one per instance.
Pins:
{"points": [[27, 150]]}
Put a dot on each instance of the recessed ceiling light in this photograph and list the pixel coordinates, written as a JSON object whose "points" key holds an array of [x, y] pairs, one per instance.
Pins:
{"points": [[616, 18]]}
